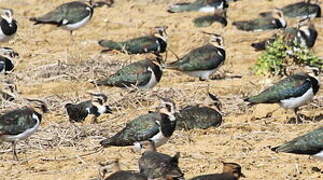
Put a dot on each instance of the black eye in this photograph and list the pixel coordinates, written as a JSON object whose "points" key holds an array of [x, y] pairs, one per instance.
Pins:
{"points": [[169, 107]]}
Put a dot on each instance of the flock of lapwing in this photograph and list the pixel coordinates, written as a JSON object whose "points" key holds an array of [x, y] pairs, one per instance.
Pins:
{"points": [[152, 130]]}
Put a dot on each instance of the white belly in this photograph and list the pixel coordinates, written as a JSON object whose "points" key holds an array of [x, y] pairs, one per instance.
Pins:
{"points": [[319, 156], [207, 9], [159, 139], [152, 82], [101, 109], [24, 135], [204, 74], [5, 38], [293, 103], [78, 24]]}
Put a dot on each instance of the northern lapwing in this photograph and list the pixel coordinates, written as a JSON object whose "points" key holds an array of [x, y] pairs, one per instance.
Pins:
{"points": [[199, 5], [7, 63], [8, 25], [304, 35], [231, 171], [219, 16], [155, 43], [276, 21], [304, 9], [70, 16], [118, 174], [155, 126], [308, 144], [291, 93], [200, 117], [155, 165], [96, 106], [144, 74], [20, 123], [202, 62]]}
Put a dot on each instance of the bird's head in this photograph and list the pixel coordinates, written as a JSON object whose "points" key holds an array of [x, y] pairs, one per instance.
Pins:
{"points": [[7, 14], [99, 98], [215, 39], [39, 105], [160, 32], [233, 169], [9, 52]]}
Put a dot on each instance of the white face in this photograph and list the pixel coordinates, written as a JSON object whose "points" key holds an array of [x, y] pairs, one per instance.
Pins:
{"points": [[7, 15], [217, 41], [161, 33]]}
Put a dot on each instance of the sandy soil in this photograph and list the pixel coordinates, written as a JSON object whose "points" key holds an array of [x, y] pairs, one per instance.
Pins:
{"points": [[57, 68]]}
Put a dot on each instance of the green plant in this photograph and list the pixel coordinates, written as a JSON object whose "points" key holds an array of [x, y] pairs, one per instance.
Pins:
{"points": [[279, 55]]}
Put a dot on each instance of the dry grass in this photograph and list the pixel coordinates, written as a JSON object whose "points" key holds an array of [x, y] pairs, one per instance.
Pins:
{"points": [[54, 68]]}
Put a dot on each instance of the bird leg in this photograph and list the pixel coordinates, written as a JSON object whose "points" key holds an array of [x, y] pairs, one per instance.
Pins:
{"points": [[15, 157], [95, 119], [297, 116]]}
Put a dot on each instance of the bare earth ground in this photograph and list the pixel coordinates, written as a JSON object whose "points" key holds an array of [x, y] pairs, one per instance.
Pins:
{"points": [[53, 67]]}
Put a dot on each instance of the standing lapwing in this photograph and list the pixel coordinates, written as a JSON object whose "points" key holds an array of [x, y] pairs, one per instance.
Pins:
{"points": [[7, 64], [154, 126], [276, 21], [8, 25], [144, 74], [96, 106], [198, 5], [155, 165], [200, 117], [291, 93], [19, 124], [304, 9], [231, 171], [69, 16], [219, 15], [304, 35], [155, 43], [308, 144], [117, 173], [202, 62]]}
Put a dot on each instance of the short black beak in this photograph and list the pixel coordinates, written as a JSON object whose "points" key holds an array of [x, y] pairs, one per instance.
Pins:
{"points": [[108, 110]]}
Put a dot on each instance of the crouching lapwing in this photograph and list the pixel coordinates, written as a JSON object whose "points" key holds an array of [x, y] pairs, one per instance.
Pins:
{"points": [[200, 117], [231, 171], [155, 43], [198, 5], [203, 61], [156, 165], [308, 144], [19, 124], [7, 64], [118, 174], [304, 35], [96, 106], [8, 25], [154, 126], [143, 74], [276, 21], [291, 93], [304, 9], [69, 16]]}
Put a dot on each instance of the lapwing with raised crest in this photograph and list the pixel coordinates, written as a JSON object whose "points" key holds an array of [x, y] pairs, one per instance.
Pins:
{"points": [[143, 74], [155, 126], [96, 107], [202, 62], [70, 16], [308, 144], [200, 116], [302, 9], [275, 21], [156, 165], [231, 171], [21, 123], [304, 35], [155, 43], [208, 6], [291, 92], [117, 173], [7, 63], [8, 25]]}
